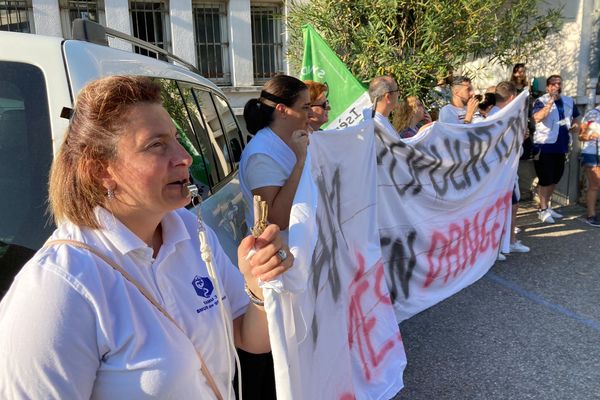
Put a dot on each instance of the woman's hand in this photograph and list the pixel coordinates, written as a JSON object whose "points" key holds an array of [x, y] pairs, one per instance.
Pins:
{"points": [[299, 143], [251, 329], [267, 262]]}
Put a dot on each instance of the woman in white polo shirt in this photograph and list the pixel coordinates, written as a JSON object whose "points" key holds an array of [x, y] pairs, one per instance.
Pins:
{"points": [[134, 312]]}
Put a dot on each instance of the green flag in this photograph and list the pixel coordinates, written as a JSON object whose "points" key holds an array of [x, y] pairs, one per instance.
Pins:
{"points": [[347, 96]]}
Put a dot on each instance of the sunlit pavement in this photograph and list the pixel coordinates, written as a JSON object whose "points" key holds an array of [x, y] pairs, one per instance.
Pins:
{"points": [[529, 329]]}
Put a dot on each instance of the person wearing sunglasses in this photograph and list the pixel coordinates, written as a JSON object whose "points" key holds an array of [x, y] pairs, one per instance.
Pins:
{"points": [[319, 104], [384, 94]]}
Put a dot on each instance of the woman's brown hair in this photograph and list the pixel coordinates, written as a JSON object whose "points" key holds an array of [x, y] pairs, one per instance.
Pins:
{"points": [[404, 113], [99, 119], [522, 82], [316, 89]]}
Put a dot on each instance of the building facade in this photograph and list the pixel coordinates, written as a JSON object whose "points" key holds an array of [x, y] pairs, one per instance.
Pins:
{"points": [[238, 44]]}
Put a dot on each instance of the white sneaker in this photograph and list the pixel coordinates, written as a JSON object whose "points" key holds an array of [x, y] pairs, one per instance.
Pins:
{"points": [[554, 213], [501, 257], [546, 216], [517, 230], [518, 247]]}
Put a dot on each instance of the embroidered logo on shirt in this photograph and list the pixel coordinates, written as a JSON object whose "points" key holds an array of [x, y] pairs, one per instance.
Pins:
{"points": [[203, 286]]}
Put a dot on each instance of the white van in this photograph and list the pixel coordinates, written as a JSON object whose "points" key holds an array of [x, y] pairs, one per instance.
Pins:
{"points": [[39, 79]]}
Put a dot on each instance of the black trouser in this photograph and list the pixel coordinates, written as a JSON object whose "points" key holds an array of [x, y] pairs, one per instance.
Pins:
{"points": [[258, 376]]}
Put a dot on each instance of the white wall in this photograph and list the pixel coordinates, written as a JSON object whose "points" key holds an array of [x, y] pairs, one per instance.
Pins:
{"points": [[182, 30], [46, 17], [117, 17], [240, 43]]}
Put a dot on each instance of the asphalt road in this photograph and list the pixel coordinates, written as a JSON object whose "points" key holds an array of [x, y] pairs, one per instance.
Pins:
{"points": [[529, 329]]}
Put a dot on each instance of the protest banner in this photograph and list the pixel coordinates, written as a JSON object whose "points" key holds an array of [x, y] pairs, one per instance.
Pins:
{"points": [[347, 96], [426, 214], [411, 170], [444, 203], [332, 326]]}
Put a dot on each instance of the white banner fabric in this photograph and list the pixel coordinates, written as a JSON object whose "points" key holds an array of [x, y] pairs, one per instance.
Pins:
{"points": [[444, 202], [333, 331]]}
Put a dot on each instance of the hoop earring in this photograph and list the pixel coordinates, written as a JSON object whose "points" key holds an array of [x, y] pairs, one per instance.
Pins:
{"points": [[110, 194]]}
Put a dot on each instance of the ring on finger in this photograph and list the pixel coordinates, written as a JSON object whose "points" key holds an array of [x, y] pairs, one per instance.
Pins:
{"points": [[282, 255]]}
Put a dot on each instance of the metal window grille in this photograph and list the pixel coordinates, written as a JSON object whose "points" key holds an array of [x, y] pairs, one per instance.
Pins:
{"points": [[267, 43], [148, 21], [210, 25], [14, 16], [70, 10], [82, 9]]}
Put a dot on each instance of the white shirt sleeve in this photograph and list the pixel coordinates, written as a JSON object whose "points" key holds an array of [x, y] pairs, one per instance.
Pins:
{"points": [[262, 171], [41, 355]]}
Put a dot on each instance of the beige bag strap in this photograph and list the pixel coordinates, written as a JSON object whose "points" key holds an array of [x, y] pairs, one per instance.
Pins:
{"points": [[147, 295]]}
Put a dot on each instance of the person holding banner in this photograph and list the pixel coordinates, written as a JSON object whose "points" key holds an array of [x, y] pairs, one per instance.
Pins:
{"points": [[132, 297], [505, 92], [555, 118], [273, 160], [319, 104], [384, 94], [270, 167]]}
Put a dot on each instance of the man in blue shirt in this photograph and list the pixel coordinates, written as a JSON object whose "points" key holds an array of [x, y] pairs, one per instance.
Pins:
{"points": [[555, 118]]}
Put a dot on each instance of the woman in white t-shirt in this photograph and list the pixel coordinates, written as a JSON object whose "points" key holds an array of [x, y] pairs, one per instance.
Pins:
{"points": [[271, 166], [273, 160], [122, 302]]}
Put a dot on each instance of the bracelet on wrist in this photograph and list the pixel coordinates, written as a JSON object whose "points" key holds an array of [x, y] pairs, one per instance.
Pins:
{"points": [[254, 299]]}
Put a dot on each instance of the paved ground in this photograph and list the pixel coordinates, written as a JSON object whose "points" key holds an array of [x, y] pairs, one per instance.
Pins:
{"points": [[529, 329]]}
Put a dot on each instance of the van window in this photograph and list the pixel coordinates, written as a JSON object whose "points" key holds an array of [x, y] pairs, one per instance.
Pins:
{"points": [[199, 149], [231, 129], [208, 130], [215, 131], [25, 158]]}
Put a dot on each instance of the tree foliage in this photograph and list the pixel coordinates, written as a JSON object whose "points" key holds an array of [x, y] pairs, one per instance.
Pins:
{"points": [[417, 41]]}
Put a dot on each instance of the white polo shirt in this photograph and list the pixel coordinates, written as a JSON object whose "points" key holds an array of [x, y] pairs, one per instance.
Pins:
{"points": [[71, 327]]}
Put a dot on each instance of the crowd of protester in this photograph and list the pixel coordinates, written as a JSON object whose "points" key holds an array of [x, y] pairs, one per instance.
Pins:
{"points": [[117, 187], [553, 123]]}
